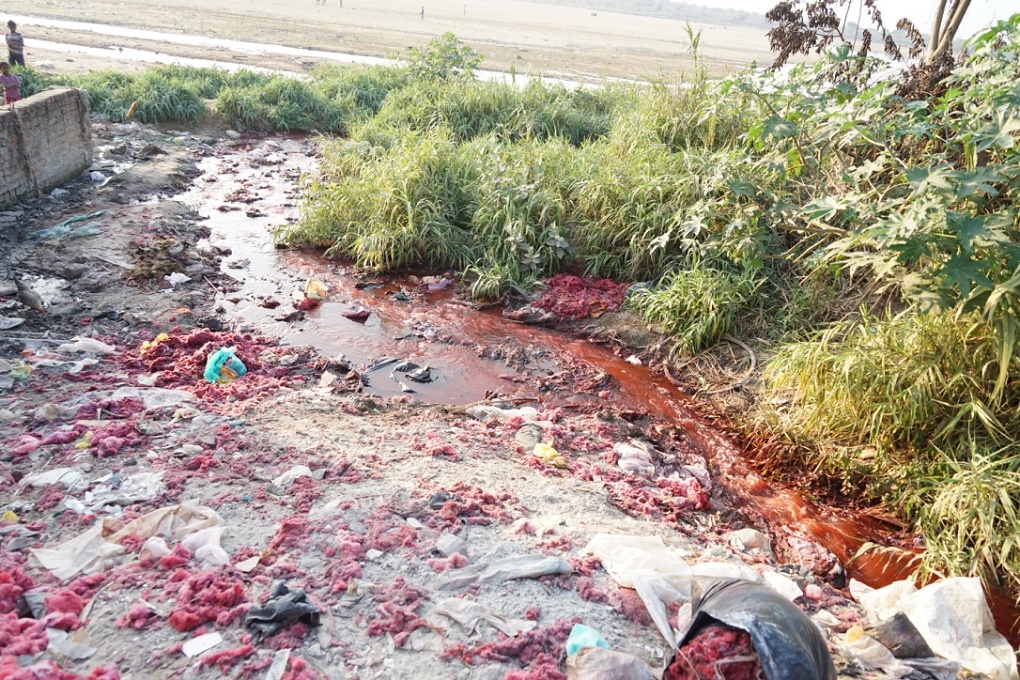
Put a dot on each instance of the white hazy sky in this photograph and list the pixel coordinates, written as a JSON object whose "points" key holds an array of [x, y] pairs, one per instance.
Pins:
{"points": [[980, 14]]}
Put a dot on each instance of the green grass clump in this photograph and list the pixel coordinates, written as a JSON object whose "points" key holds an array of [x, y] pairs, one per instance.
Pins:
{"points": [[696, 305], [165, 97], [472, 109], [284, 104], [967, 510], [405, 206]]}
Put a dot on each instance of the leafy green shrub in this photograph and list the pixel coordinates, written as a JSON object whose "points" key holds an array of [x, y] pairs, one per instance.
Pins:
{"points": [[443, 58]]}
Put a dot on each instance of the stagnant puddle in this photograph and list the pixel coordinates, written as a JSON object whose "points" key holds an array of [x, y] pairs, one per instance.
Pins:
{"points": [[247, 191]]}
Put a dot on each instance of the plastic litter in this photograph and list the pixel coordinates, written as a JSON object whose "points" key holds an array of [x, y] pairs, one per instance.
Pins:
{"points": [[788, 644], [595, 663], [284, 607], [469, 615], [485, 412], [315, 290], [205, 546], [441, 283], [506, 569], [901, 637], [279, 666], [9, 322], [90, 345], [64, 228], [419, 374], [176, 278], [548, 455], [201, 644], [70, 478], [69, 645], [582, 636], [356, 313], [448, 544], [528, 436], [99, 546], [783, 585], [88, 552], [636, 457], [749, 539], [872, 654], [287, 478], [154, 397], [223, 366], [622, 555], [952, 616], [136, 488]]}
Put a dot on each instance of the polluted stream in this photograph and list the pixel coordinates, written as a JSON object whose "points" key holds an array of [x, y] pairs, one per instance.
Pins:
{"points": [[250, 187]]}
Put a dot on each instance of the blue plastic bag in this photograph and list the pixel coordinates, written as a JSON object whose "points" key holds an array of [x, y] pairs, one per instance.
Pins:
{"points": [[223, 367], [582, 636]]}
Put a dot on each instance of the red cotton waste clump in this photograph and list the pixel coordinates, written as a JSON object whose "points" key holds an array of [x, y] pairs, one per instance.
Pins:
{"points": [[576, 297], [19, 637], [454, 561], [716, 653], [13, 583], [532, 649], [42, 670], [226, 659], [64, 601], [395, 613], [207, 596]]}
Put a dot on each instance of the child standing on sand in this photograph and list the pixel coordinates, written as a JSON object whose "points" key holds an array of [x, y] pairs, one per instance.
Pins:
{"points": [[10, 83], [15, 45]]}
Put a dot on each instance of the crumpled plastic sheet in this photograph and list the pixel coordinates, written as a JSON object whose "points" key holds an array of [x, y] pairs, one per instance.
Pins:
{"points": [[469, 615], [636, 457], [99, 547], [505, 569], [90, 345], [285, 607], [70, 478], [788, 644], [645, 564], [154, 397], [953, 617], [595, 663]]}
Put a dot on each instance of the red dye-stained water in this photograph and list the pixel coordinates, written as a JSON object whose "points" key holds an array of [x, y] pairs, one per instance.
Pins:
{"points": [[432, 329]]}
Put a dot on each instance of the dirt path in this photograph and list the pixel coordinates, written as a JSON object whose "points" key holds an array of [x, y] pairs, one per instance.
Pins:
{"points": [[512, 35]]}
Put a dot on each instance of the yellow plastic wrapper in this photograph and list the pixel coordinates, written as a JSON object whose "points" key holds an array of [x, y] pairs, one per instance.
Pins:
{"points": [[9, 517], [550, 456], [21, 370], [151, 344], [85, 441], [315, 290]]}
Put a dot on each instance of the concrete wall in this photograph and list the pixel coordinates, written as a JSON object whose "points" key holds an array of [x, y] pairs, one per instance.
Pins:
{"points": [[44, 143]]}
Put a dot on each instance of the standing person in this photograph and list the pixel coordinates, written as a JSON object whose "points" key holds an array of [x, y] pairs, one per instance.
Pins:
{"points": [[10, 83], [15, 45], [423, 12]]}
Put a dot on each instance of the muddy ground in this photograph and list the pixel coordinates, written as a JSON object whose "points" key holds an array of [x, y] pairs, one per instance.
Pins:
{"points": [[195, 506]]}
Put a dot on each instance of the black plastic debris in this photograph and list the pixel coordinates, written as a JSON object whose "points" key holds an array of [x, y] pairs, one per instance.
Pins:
{"points": [[285, 607], [901, 637], [788, 644], [419, 374]]}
